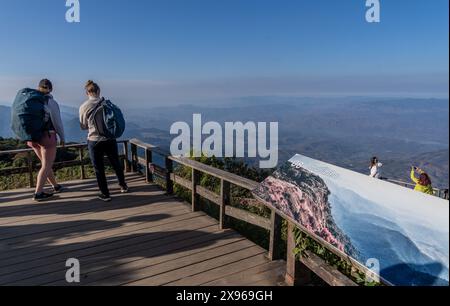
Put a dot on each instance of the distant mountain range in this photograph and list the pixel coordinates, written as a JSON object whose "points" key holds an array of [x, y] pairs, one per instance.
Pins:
{"points": [[5, 121], [75, 134], [69, 116], [346, 131]]}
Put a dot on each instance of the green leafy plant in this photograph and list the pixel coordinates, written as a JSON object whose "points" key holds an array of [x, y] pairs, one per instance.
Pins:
{"points": [[306, 243]]}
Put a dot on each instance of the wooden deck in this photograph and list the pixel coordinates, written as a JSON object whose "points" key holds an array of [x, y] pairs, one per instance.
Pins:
{"points": [[141, 238]]}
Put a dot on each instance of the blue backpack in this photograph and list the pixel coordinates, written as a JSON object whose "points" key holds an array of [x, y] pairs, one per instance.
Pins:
{"points": [[28, 115], [108, 119]]}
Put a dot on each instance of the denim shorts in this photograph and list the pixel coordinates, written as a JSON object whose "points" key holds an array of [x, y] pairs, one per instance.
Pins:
{"points": [[47, 141]]}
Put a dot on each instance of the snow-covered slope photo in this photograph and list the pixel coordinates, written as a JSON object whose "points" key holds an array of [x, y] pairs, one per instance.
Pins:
{"points": [[407, 232]]}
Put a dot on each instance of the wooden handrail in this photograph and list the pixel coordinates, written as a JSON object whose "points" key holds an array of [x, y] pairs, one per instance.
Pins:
{"points": [[441, 193], [76, 145], [223, 200], [218, 173], [307, 264], [147, 146], [31, 167]]}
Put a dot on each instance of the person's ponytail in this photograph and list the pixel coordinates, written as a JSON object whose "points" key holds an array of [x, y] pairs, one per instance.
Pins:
{"points": [[92, 88]]}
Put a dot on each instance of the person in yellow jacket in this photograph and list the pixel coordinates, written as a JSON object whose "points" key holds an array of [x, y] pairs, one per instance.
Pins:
{"points": [[423, 183]]}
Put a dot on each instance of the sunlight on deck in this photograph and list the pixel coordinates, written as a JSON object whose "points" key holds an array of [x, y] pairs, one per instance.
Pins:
{"points": [[141, 238]]}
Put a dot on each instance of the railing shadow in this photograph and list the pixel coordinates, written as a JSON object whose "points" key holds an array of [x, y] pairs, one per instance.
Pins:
{"points": [[116, 258], [81, 205]]}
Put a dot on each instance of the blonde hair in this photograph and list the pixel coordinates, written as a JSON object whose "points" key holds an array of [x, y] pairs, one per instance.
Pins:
{"points": [[92, 88]]}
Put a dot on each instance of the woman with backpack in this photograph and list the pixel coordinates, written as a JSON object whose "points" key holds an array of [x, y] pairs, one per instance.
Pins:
{"points": [[423, 183], [100, 143], [45, 148]]}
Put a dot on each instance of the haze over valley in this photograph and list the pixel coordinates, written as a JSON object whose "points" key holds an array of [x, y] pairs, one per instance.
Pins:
{"points": [[343, 131]]}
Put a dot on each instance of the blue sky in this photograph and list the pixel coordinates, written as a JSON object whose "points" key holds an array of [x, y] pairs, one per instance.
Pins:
{"points": [[188, 50]]}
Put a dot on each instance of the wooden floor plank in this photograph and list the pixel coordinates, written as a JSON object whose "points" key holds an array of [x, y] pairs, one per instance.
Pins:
{"points": [[174, 247], [113, 260], [24, 195], [79, 206], [149, 267], [141, 238], [91, 208], [268, 277], [193, 269], [250, 276], [22, 201], [78, 250], [68, 199], [222, 271], [19, 237]]}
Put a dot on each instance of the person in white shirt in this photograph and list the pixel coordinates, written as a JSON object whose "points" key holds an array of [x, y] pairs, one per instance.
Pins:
{"points": [[375, 168], [53, 115]]}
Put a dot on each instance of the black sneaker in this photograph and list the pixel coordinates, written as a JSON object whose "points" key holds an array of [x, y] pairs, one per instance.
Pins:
{"points": [[124, 189], [104, 198], [59, 189], [39, 197]]}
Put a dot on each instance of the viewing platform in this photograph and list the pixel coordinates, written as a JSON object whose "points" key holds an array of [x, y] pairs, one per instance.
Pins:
{"points": [[151, 236], [142, 238]]}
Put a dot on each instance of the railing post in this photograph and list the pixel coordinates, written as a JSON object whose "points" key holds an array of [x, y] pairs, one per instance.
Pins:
{"points": [[195, 196], [148, 162], [225, 199], [169, 171], [126, 162], [296, 272], [134, 158], [82, 172], [30, 169], [275, 236]]}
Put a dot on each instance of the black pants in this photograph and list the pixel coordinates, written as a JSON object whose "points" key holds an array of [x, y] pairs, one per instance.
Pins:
{"points": [[97, 152]]}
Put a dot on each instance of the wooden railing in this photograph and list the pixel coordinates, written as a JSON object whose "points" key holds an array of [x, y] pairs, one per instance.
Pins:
{"points": [[441, 193], [297, 272], [31, 167]]}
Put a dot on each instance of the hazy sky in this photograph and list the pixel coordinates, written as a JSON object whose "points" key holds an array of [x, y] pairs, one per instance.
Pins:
{"points": [[173, 51]]}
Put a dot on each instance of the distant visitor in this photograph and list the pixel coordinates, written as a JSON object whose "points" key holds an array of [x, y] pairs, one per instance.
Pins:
{"points": [[423, 183], [375, 168]]}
